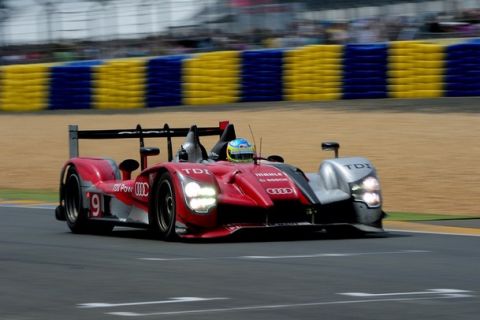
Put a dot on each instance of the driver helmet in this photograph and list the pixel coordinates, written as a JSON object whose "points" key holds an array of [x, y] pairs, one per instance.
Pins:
{"points": [[240, 150]]}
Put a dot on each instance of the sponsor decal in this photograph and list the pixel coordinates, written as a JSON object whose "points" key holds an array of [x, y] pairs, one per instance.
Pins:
{"points": [[142, 189], [121, 187], [273, 180], [269, 174], [95, 205], [358, 166], [279, 191], [196, 171]]}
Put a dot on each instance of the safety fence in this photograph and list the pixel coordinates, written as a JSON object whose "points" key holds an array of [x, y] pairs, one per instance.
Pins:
{"points": [[406, 69]]}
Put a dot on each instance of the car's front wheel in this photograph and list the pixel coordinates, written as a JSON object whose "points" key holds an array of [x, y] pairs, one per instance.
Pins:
{"points": [[163, 213]]}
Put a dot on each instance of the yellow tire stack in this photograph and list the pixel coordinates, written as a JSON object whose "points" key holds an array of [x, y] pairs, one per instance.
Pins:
{"points": [[416, 70], [120, 84], [212, 78], [313, 73], [24, 87]]}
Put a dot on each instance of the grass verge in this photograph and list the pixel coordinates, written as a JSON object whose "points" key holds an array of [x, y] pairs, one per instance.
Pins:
{"points": [[33, 195], [52, 196], [410, 216]]}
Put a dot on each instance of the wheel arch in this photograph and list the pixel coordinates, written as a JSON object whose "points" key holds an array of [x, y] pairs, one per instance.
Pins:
{"points": [[90, 171]]}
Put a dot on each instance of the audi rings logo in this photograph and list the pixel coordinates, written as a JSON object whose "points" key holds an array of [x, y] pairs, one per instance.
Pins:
{"points": [[142, 189], [279, 191]]}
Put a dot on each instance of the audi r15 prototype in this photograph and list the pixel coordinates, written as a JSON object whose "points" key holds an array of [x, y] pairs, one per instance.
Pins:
{"points": [[200, 194]]}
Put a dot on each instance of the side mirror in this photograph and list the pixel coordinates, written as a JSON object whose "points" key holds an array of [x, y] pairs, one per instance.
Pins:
{"points": [[275, 158], [149, 151], [146, 152], [331, 146], [127, 167]]}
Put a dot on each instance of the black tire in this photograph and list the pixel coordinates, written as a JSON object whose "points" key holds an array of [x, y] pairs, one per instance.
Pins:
{"points": [[75, 214], [163, 210]]}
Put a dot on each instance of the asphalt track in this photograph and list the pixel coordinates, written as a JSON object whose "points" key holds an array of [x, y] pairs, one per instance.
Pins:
{"points": [[48, 273]]}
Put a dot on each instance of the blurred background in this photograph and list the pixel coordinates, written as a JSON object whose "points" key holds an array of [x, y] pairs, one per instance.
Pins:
{"points": [[34, 31]]}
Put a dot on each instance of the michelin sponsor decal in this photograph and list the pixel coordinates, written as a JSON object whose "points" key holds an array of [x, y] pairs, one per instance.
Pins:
{"points": [[271, 177]]}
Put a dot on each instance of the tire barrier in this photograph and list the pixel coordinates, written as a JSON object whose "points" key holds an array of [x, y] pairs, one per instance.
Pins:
{"points": [[261, 75], [119, 84], [313, 73], [164, 81], [24, 87], [71, 85], [399, 69], [365, 71], [416, 70], [211, 78], [463, 70]]}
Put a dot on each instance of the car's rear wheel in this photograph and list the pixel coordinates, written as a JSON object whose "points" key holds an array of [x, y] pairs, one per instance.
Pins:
{"points": [[75, 213], [164, 208], [73, 200]]}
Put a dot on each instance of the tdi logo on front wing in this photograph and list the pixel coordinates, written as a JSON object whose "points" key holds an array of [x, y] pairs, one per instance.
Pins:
{"points": [[141, 189], [279, 191]]}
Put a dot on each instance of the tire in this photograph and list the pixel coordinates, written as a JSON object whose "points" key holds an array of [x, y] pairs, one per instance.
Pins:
{"points": [[163, 213], [75, 213]]}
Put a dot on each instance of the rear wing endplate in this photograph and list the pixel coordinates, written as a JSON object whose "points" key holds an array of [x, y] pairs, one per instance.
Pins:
{"points": [[140, 133]]}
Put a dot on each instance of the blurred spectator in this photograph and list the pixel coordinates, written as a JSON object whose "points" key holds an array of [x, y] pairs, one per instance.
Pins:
{"points": [[210, 37], [338, 33]]}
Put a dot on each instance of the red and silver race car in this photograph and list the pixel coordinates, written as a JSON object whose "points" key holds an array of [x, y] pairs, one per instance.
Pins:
{"points": [[198, 194]]}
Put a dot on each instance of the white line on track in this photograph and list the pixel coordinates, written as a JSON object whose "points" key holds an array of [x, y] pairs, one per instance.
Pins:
{"points": [[171, 300], [327, 255], [428, 292], [283, 306], [302, 256], [171, 259]]}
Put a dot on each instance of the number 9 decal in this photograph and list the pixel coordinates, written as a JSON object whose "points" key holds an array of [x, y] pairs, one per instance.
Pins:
{"points": [[95, 206]]}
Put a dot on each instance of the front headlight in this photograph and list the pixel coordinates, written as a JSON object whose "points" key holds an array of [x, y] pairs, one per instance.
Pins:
{"points": [[199, 197], [371, 184], [368, 191]]}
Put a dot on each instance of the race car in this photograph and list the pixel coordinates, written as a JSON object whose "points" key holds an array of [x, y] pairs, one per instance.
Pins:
{"points": [[199, 194]]}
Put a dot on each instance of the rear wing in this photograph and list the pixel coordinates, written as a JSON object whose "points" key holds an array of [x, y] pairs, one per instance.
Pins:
{"points": [[140, 133]]}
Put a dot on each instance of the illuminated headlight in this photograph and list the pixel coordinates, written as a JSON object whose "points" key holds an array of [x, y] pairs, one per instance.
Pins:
{"points": [[372, 199], [367, 190], [202, 204], [199, 198], [194, 190], [371, 184]]}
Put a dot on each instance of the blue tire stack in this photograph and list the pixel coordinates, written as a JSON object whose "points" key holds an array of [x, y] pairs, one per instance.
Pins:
{"points": [[262, 75], [164, 81], [365, 71], [71, 85], [463, 70]]}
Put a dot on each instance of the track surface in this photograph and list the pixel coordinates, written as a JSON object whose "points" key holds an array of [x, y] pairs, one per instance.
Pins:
{"points": [[48, 273]]}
